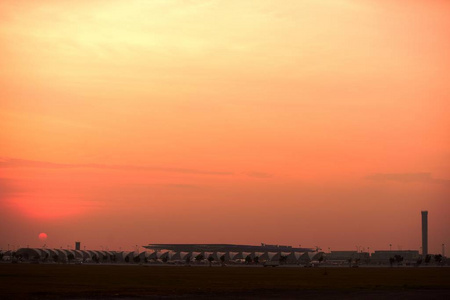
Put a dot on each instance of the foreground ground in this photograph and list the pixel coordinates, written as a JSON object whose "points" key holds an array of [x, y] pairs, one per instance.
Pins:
{"points": [[123, 281]]}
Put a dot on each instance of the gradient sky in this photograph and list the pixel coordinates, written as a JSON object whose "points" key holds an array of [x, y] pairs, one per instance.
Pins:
{"points": [[320, 123]]}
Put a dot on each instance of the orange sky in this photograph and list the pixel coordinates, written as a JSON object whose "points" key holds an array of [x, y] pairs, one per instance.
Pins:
{"points": [[321, 123]]}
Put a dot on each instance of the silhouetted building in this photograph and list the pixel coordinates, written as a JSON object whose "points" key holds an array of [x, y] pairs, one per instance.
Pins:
{"points": [[77, 246], [383, 256], [225, 248], [345, 256]]}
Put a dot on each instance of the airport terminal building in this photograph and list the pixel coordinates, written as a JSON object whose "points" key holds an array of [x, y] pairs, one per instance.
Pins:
{"points": [[225, 248], [212, 254]]}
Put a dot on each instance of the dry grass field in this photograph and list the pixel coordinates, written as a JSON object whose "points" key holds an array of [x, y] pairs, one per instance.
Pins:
{"points": [[29, 281]]}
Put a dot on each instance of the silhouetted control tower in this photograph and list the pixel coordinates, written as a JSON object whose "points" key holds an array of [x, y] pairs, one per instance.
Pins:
{"points": [[424, 232]]}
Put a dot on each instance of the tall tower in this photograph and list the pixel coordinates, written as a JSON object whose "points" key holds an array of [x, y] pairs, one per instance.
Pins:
{"points": [[424, 232]]}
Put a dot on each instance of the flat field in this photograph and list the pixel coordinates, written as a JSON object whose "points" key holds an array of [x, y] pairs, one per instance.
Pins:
{"points": [[29, 281]]}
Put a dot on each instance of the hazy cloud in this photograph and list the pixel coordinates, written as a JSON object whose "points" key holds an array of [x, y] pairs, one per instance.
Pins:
{"points": [[11, 187], [259, 174], [182, 186], [23, 163], [7, 187], [407, 177]]}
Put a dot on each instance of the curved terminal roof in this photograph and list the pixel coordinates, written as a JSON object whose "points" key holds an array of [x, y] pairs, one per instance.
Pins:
{"points": [[61, 255], [226, 248]]}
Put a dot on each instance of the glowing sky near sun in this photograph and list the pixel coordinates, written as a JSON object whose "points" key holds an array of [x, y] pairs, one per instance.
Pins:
{"points": [[296, 122]]}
